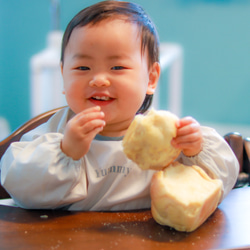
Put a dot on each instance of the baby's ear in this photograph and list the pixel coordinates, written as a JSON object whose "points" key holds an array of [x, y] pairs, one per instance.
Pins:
{"points": [[61, 66], [154, 75]]}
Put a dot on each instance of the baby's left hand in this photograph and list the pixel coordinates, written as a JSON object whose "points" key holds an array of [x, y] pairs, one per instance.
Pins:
{"points": [[189, 137]]}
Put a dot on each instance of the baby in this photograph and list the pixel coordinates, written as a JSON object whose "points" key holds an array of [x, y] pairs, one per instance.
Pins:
{"points": [[110, 67]]}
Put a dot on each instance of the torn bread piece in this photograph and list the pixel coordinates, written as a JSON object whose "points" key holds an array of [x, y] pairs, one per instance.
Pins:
{"points": [[183, 197], [148, 140]]}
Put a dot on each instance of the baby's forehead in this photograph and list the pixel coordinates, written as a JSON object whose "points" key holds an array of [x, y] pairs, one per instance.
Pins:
{"points": [[116, 18], [119, 26], [121, 18], [118, 30]]}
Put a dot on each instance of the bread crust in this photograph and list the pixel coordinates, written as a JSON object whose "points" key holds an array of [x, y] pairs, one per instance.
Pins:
{"points": [[183, 197]]}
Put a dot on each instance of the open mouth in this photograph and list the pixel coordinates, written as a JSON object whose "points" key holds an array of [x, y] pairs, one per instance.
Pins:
{"points": [[101, 98]]}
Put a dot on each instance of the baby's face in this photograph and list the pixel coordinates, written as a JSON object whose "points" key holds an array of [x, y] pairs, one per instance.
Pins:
{"points": [[104, 66]]}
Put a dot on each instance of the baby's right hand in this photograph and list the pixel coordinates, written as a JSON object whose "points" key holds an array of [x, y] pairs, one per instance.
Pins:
{"points": [[80, 131]]}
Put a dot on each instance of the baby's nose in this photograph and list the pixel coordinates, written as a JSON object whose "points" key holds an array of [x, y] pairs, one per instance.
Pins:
{"points": [[99, 81]]}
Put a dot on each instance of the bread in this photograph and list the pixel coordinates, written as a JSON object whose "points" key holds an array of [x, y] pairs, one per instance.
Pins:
{"points": [[183, 197], [148, 140]]}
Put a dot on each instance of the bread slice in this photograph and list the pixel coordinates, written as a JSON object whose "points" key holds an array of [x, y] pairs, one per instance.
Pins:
{"points": [[183, 197]]}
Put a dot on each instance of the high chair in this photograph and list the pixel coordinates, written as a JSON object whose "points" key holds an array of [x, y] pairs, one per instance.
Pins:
{"points": [[241, 148]]}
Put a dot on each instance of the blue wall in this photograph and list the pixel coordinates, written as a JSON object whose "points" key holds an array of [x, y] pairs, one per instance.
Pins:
{"points": [[215, 35]]}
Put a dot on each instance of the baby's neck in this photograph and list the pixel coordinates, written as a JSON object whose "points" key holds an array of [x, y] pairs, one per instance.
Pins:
{"points": [[112, 133], [115, 130]]}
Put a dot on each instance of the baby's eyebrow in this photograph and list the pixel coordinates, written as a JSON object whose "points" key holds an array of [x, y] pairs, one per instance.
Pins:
{"points": [[81, 56], [117, 57], [113, 57]]}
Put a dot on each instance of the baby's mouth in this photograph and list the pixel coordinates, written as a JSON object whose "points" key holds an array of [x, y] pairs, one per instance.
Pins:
{"points": [[101, 98]]}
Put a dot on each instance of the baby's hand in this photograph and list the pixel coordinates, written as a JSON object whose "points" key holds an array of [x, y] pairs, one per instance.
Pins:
{"points": [[80, 131], [189, 137]]}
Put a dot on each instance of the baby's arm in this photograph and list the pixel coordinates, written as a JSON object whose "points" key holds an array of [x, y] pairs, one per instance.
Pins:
{"points": [[80, 131], [204, 147], [38, 174]]}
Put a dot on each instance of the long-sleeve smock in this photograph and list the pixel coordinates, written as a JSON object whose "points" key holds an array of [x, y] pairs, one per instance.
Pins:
{"points": [[38, 175]]}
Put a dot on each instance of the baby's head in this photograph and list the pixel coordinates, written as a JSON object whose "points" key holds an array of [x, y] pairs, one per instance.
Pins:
{"points": [[127, 11]]}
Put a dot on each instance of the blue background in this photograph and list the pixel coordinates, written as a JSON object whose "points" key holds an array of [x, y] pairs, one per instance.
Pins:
{"points": [[215, 35]]}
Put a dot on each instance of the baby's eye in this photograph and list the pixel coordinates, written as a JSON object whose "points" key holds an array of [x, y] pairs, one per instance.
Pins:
{"points": [[83, 68], [118, 68]]}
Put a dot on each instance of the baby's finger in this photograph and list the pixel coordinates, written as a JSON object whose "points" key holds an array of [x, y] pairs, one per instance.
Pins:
{"points": [[87, 111], [92, 125], [85, 117], [188, 129], [90, 110], [187, 140], [186, 121]]}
